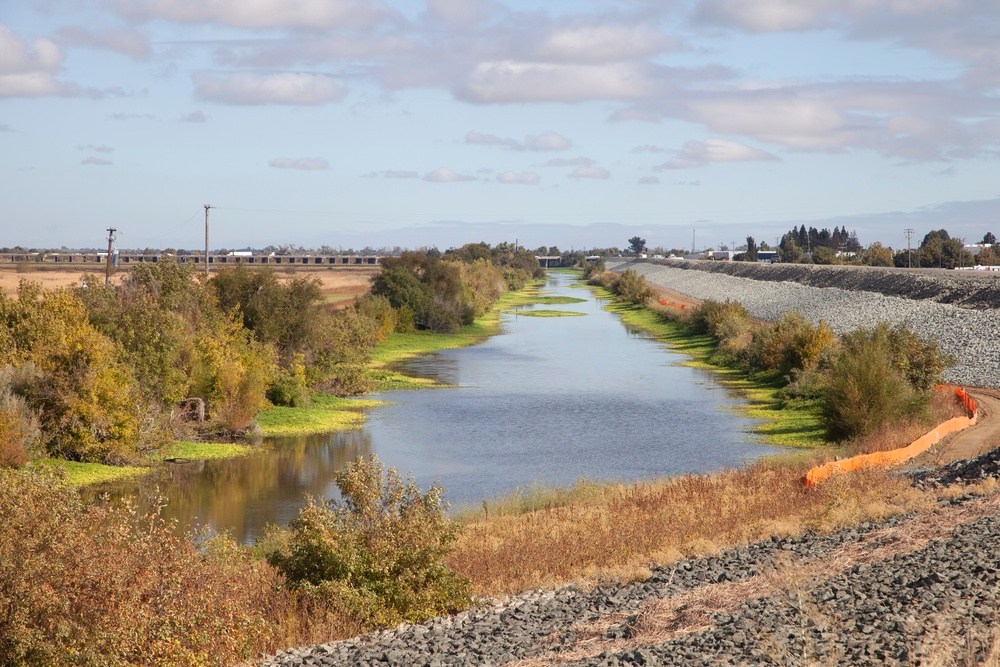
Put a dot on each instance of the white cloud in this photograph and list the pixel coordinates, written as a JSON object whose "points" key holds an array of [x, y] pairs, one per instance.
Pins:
{"points": [[481, 139], [395, 173], [96, 161], [510, 81], [546, 141], [514, 178], [17, 57], [131, 43], [194, 117], [247, 88], [696, 154], [590, 172], [445, 175], [29, 70], [767, 15], [460, 12], [649, 148], [603, 43], [256, 14], [649, 180], [303, 163]]}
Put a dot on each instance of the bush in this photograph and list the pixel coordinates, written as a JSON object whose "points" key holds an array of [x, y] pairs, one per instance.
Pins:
{"points": [[787, 345], [720, 319], [632, 287], [380, 550], [110, 586], [378, 309], [866, 390], [291, 387], [595, 268]]}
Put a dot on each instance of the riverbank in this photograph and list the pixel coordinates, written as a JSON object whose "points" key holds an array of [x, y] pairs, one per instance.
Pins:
{"points": [[326, 413], [917, 586], [782, 422], [968, 335]]}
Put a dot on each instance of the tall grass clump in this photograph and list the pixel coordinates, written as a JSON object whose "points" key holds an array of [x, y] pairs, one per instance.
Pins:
{"points": [[377, 554]]}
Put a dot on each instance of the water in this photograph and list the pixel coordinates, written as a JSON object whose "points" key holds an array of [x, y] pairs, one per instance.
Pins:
{"points": [[550, 400]]}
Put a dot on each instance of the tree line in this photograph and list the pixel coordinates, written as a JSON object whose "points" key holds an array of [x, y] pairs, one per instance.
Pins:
{"points": [[108, 374]]}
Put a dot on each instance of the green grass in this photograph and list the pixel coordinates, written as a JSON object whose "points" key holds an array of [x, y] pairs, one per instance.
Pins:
{"points": [[546, 313], [84, 474], [401, 346], [204, 451], [327, 413], [784, 423]]}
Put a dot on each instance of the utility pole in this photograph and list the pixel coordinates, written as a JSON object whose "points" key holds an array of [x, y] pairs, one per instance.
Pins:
{"points": [[693, 231], [107, 268], [909, 254], [207, 206]]}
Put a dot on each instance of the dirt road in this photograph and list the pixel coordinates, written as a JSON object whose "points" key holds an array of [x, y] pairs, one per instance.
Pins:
{"points": [[980, 438]]}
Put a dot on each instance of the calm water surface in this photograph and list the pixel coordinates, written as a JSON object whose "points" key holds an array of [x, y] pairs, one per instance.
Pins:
{"points": [[550, 400]]}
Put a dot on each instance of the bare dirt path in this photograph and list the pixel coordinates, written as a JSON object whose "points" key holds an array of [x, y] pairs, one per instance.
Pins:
{"points": [[980, 438]]}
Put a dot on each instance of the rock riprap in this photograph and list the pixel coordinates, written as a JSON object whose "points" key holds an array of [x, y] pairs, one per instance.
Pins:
{"points": [[972, 336]]}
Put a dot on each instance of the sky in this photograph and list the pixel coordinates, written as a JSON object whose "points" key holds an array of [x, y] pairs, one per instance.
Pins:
{"points": [[353, 123]]}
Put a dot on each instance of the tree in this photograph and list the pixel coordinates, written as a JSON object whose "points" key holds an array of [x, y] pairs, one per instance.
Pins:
{"points": [[751, 253], [637, 245], [988, 238]]}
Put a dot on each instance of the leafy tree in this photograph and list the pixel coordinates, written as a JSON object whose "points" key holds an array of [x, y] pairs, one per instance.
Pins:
{"points": [[88, 401], [232, 371], [751, 253], [637, 245], [877, 255], [989, 239]]}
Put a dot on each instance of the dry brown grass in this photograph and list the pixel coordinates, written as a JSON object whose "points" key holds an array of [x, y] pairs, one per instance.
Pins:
{"points": [[944, 406], [619, 533], [791, 579]]}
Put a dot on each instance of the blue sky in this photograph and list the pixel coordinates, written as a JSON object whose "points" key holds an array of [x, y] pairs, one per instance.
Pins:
{"points": [[578, 124]]}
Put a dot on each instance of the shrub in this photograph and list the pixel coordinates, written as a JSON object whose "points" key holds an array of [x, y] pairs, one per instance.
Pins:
{"points": [[291, 387], [110, 586], [232, 372], [866, 390], [632, 287], [789, 344], [721, 319], [592, 269], [378, 309], [379, 551]]}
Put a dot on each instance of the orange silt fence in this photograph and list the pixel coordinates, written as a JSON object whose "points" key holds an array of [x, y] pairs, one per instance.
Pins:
{"points": [[918, 446], [664, 302]]}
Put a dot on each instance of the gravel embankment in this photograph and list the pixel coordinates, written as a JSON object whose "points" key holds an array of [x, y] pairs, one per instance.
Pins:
{"points": [[910, 588], [972, 336]]}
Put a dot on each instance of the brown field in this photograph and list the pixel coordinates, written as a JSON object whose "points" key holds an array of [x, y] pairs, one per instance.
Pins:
{"points": [[340, 285]]}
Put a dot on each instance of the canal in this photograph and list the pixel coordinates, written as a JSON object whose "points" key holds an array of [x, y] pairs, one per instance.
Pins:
{"points": [[548, 401]]}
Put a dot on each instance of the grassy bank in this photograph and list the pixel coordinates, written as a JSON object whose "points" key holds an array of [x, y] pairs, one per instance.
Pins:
{"points": [[402, 346]]}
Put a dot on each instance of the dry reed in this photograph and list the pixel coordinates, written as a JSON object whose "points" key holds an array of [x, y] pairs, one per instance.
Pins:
{"points": [[633, 526]]}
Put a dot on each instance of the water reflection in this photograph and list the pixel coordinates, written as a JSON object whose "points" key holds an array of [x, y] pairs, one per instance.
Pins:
{"points": [[549, 400], [243, 495]]}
